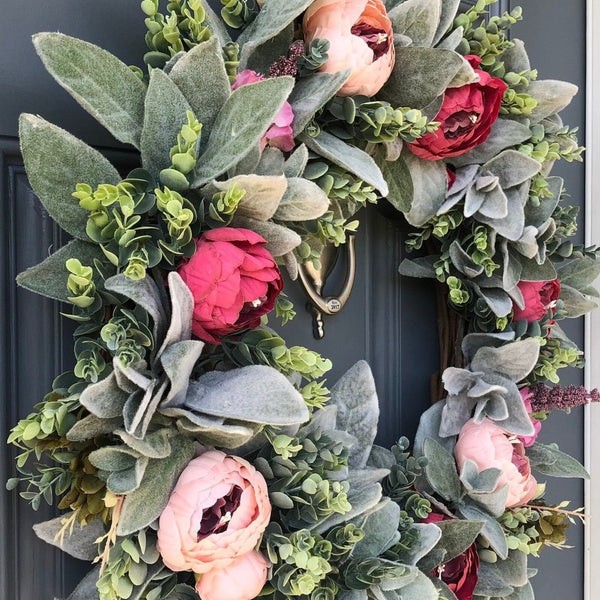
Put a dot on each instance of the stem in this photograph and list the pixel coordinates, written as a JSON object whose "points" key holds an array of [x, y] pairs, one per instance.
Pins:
{"points": [[572, 513], [111, 536]]}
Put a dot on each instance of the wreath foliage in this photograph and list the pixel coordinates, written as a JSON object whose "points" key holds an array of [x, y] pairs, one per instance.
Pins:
{"points": [[195, 453]]}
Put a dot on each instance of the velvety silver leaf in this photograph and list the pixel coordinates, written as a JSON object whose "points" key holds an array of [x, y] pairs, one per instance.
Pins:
{"points": [[178, 361], [381, 531], [491, 530], [441, 470], [80, 542], [490, 582], [280, 239], [254, 394], [448, 11], [515, 360], [515, 57], [104, 86], [429, 536], [417, 19], [357, 405], [474, 341], [453, 39], [271, 162], [296, 163], [154, 445], [203, 63], [420, 588], [303, 200], [86, 589], [512, 168], [92, 426], [104, 399], [312, 93], [551, 95]]}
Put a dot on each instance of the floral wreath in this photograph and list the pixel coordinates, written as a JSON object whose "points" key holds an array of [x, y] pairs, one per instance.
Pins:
{"points": [[196, 454]]}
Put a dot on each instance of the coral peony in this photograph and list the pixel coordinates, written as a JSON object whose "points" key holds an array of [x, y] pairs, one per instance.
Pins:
{"points": [[280, 134], [529, 440], [243, 579], [460, 573], [216, 514], [466, 117], [539, 297], [360, 37], [234, 281], [490, 446]]}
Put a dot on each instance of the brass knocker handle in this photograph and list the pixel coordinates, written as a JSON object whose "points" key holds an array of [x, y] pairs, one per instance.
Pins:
{"points": [[313, 281]]}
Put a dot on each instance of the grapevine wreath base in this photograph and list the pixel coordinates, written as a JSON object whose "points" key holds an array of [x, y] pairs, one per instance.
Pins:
{"points": [[194, 452]]}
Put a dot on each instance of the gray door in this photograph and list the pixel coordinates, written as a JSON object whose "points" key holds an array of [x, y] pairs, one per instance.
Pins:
{"points": [[388, 321]]}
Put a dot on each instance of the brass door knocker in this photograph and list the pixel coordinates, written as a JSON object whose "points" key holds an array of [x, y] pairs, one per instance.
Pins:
{"points": [[313, 281]]}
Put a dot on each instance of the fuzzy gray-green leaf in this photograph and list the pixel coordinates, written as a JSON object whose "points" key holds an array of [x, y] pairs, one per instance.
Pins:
{"points": [[417, 19], [234, 132], [381, 531], [420, 75], [348, 157], [311, 93], [49, 278], [165, 114], [441, 470], [56, 162], [355, 397], [145, 504], [200, 74], [549, 460], [303, 200], [107, 88]]}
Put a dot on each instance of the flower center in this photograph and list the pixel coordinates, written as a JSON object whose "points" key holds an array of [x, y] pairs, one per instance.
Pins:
{"points": [[377, 39], [459, 123], [216, 518]]}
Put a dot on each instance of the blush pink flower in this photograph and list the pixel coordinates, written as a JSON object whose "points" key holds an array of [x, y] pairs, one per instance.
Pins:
{"points": [[243, 579], [234, 281], [529, 440], [361, 39], [215, 515], [280, 134], [490, 446], [539, 297], [466, 117]]}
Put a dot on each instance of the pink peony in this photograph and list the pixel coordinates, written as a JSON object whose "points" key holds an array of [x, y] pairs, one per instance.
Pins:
{"points": [[234, 281], [280, 134], [360, 37], [243, 579], [490, 446], [529, 440], [461, 573], [539, 297], [215, 515], [466, 117]]}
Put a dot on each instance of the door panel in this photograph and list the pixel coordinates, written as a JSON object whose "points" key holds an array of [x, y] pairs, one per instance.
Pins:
{"points": [[388, 321]]}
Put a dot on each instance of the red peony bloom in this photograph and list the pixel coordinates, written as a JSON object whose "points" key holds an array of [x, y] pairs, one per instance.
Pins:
{"points": [[539, 296], [460, 574], [234, 281], [466, 117]]}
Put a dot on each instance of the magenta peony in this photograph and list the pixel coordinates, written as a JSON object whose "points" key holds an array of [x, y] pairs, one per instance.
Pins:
{"points": [[529, 440], [461, 573], [466, 117], [280, 134], [216, 514], [360, 37], [539, 297], [243, 579], [490, 446], [234, 281]]}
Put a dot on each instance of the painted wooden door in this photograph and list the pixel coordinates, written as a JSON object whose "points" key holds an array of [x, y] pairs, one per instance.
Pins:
{"points": [[388, 321]]}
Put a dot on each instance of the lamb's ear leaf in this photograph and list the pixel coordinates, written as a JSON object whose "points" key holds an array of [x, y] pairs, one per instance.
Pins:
{"points": [[86, 589], [142, 506], [234, 132], [80, 542], [549, 460], [418, 19], [106, 87], [49, 278], [200, 65], [56, 162], [165, 114]]}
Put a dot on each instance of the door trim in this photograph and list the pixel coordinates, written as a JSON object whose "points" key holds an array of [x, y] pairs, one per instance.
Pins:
{"points": [[592, 322]]}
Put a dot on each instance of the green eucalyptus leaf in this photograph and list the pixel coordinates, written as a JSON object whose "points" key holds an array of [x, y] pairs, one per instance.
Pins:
{"points": [[49, 278], [200, 75], [107, 88], [56, 162], [165, 114], [234, 132], [143, 506]]}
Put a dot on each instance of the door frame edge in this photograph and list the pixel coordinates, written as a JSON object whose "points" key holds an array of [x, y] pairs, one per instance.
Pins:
{"points": [[592, 321]]}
